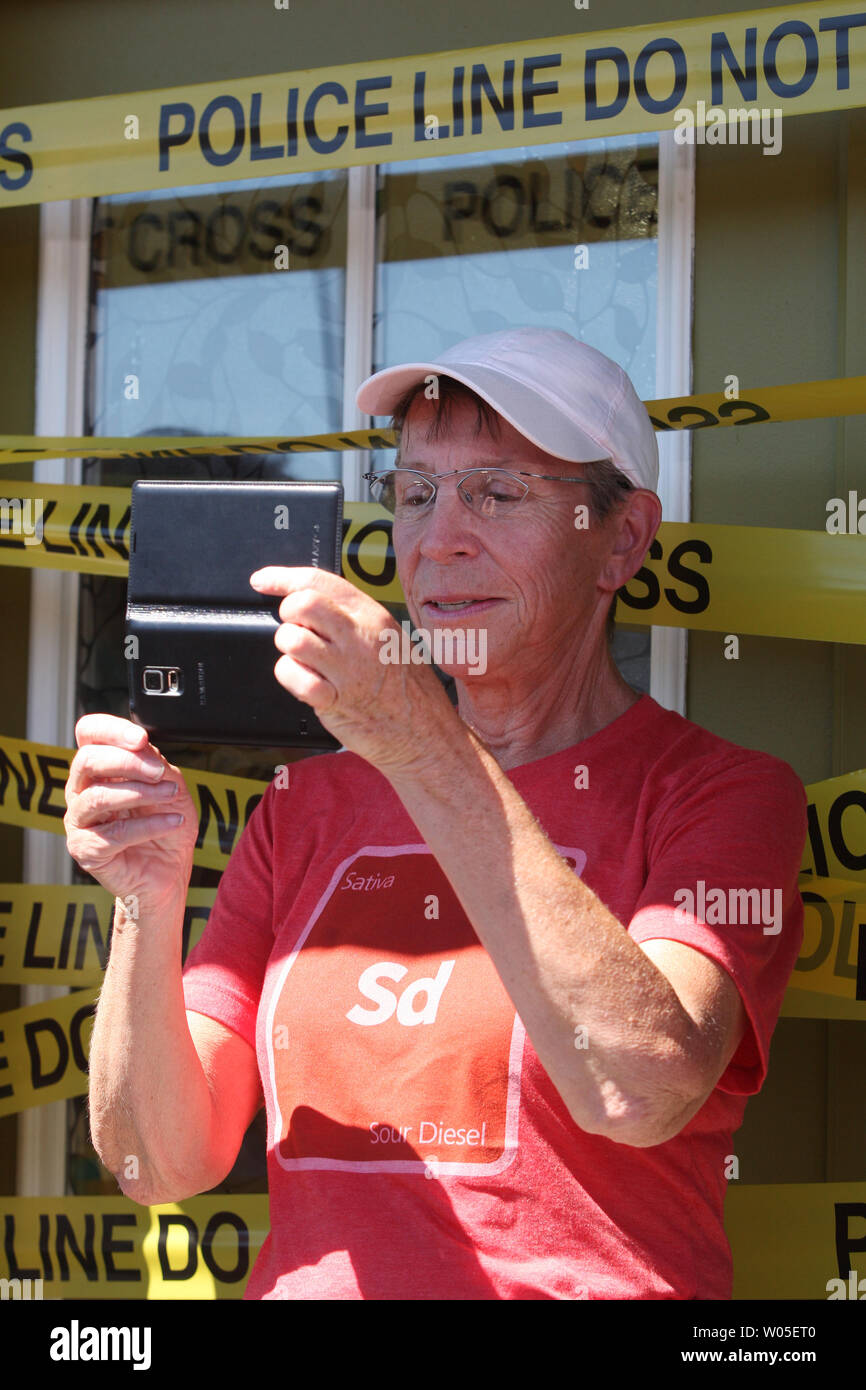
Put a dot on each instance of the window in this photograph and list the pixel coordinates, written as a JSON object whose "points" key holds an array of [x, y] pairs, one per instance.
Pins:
{"points": [[194, 329], [220, 310]]}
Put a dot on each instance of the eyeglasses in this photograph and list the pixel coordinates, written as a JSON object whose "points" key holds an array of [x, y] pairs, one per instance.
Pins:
{"points": [[489, 492]]}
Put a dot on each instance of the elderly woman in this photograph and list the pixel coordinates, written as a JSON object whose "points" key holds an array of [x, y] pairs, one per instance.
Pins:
{"points": [[504, 974]]}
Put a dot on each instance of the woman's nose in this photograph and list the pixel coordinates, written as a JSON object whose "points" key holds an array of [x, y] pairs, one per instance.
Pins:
{"points": [[447, 520]]}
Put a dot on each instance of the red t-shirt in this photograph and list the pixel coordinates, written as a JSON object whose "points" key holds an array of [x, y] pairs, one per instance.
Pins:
{"points": [[416, 1147]]}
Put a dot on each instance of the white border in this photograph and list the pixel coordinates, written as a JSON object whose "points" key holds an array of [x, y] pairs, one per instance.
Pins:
{"points": [[431, 1166], [359, 307], [676, 225], [393, 1165], [61, 329]]}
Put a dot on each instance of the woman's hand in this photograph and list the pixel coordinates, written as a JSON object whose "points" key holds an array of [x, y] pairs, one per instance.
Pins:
{"points": [[389, 713], [130, 821]]}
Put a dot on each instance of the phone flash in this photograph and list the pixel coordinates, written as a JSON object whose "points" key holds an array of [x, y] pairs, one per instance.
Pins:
{"points": [[162, 680]]}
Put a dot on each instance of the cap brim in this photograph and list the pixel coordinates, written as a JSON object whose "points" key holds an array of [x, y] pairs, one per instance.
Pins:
{"points": [[537, 420], [379, 394]]}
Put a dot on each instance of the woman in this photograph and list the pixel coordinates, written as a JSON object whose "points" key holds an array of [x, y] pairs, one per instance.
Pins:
{"points": [[502, 1043]]}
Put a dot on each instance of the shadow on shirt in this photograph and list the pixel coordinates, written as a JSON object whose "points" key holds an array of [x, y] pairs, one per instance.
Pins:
{"points": [[401, 1236]]}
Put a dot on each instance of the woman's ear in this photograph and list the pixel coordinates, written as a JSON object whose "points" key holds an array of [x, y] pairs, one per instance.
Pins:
{"points": [[633, 529]]}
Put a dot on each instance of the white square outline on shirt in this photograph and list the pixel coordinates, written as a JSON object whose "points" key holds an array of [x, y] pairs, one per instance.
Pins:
{"points": [[396, 1165]]}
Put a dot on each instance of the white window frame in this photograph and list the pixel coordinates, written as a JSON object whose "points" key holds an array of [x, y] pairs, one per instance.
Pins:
{"points": [[61, 355], [64, 270], [676, 232]]}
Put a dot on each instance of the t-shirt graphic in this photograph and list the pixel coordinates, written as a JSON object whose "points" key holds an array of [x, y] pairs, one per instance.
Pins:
{"points": [[384, 1056]]}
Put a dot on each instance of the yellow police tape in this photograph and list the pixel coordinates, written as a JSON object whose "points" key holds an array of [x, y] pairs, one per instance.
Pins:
{"points": [[802, 400], [44, 1051], [51, 934], [44, 1048], [59, 935], [27, 448], [797, 1240], [33, 776], [794, 59], [836, 843], [758, 580], [789, 1240], [87, 529], [56, 935], [110, 1247], [829, 979]]}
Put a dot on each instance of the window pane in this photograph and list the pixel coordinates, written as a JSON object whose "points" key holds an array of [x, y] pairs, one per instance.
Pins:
{"points": [[562, 236], [195, 330]]}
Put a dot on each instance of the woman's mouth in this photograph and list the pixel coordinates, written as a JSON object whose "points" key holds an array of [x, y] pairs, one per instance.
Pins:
{"points": [[463, 606]]}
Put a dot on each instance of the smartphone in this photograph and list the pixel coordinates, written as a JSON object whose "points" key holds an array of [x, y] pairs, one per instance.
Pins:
{"points": [[199, 640]]}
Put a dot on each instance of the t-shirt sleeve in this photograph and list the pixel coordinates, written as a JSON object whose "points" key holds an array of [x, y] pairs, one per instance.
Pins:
{"points": [[224, 973], [723, 877]]}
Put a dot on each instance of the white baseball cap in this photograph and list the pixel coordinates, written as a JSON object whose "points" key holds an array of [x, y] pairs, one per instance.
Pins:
{"points": [[563, 395]]}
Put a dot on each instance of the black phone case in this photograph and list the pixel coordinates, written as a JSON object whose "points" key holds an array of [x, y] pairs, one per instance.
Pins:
{"points": [[201, 667]]}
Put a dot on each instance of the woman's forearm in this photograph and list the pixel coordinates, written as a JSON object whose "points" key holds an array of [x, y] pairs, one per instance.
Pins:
{"points": [[607, 1026], [151, 1113]]}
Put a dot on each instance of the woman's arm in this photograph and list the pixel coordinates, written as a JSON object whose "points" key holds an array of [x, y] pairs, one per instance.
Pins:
{"points": [[657, 1035], [657, 1039]]}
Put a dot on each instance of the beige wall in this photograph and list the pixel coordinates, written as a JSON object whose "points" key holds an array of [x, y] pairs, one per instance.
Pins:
{"points": [[779, 297]]}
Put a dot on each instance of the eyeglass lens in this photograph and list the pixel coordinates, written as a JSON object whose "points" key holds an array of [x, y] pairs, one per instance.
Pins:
{"points": [[490, 492]]}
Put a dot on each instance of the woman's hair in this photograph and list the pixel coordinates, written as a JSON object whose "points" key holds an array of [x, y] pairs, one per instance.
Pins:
{"points": [[608, 487]]}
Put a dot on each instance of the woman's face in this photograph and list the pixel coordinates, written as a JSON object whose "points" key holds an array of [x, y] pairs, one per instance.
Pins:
{"points": [[535, 578]]}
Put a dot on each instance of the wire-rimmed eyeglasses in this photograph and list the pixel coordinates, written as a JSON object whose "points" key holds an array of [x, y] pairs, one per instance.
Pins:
{"points": [[493, 492]]}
